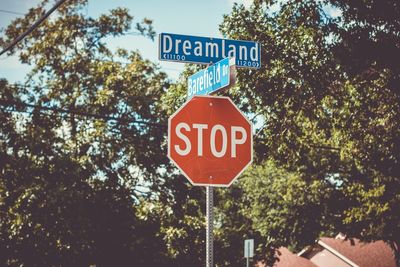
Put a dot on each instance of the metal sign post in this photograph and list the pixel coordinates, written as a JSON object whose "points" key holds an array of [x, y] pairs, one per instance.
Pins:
{"points": [[209, 115], [209, 226]]}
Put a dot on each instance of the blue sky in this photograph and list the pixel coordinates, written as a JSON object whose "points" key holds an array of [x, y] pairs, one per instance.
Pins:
{"points": [[200, 18]]}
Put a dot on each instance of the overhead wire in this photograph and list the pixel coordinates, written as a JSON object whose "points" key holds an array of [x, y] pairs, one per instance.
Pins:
{"points": [[32, 27], [77, 112], [55, 109], [80, 113], [11, 12], [40, 20]]}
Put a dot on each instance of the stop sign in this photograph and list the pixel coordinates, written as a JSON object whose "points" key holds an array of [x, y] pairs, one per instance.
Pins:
{"points": [[210, 140]]}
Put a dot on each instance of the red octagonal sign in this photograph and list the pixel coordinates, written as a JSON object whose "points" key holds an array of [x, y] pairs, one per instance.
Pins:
{"points": [[210, 141]]}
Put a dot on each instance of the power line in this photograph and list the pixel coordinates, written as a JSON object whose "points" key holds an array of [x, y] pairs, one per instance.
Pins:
{"points": [[11, 12], [22, 86], [83, 114], [31, 28], [78, 112]]}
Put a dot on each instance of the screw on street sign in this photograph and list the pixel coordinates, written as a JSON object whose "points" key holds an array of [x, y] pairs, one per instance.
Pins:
{"points": [[206, 50], [210, 141], [211, 79], [249, 248]]}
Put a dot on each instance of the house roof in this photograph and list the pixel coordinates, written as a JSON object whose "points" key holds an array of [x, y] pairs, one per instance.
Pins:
{"points": [[377, 254], [285, 258]]}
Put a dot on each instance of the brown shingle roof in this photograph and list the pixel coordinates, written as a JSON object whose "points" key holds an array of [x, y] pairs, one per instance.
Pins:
{"points": [[285, 258], [377, 254], [288, 259]]}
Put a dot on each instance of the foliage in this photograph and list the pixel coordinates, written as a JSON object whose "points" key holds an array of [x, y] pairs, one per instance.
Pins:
{"points": [[329, 146], [232, 226], [81, 141], [84, 176]]}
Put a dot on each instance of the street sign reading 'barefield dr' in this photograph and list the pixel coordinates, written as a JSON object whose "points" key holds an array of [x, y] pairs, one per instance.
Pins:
{"points": [[211, 79], [186, 48]]}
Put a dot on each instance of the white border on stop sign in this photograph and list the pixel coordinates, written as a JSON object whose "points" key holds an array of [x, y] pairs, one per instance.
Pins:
{"points": [[251, 141]]}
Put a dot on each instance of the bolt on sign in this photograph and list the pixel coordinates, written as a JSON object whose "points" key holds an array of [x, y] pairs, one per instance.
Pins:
{"points": [[210, 141]]}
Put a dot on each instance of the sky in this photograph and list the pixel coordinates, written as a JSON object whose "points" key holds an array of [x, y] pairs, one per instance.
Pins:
{"points": [[199, 18]]}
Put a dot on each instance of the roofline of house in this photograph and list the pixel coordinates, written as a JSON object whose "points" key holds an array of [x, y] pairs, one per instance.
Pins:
{"points": [[336, 253], [304, 250]]}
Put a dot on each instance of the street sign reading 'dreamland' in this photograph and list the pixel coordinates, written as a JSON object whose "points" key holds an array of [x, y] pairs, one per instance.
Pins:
{"points": [[210, 140], [211, 79], [186, 48]]}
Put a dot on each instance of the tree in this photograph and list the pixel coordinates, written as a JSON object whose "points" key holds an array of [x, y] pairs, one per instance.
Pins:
{"points": [[83, 167], [83, 146], [368, 33], [331, 119]]}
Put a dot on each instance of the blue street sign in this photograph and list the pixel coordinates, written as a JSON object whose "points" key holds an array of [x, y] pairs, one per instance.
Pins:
{"points": [[205, 50], [210, 80]]}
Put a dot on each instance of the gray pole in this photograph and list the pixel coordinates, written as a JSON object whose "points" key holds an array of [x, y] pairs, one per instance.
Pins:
{"points": [[248, 255], [209, 227]]}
